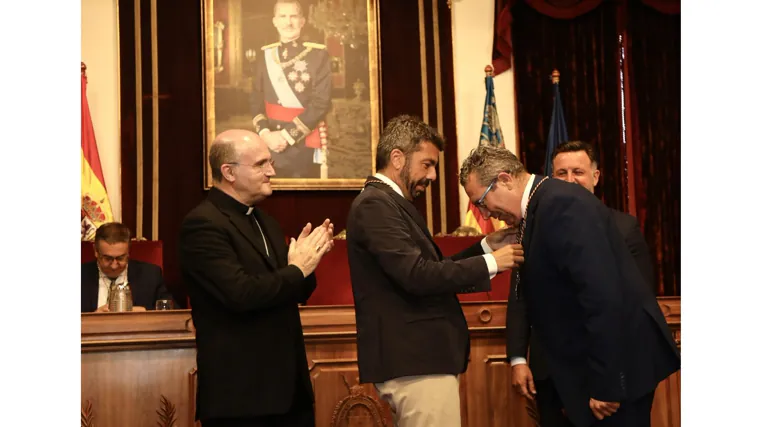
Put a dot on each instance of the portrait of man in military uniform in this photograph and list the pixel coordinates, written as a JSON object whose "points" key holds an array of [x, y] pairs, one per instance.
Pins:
{"points": [[303, 74], [291, 95]]}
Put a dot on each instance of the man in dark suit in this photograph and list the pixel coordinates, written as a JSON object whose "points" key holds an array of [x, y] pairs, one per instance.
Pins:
{"points": [[113, 266], [573, 161], [604, 337], [412, 336], [245, 285], [291, 95]]}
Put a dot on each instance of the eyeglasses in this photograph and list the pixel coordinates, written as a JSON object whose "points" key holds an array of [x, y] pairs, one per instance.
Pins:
{"points": [[481, 202], [263, 166], [110, 259]]}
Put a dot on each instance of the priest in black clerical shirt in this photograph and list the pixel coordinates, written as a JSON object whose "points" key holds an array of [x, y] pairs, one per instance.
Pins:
{"points": [[245, 283]]}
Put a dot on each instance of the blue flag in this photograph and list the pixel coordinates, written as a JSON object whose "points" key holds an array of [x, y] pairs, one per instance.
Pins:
{"points": [[557, 128], [490, 131]]}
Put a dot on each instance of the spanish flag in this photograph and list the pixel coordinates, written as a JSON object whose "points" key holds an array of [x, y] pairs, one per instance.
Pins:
{"points": [[490, 133], [96, 208]]}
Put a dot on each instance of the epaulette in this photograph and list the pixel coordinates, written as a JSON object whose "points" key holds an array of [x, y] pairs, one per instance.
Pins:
{"points": [[270, 45], [314, 45]]}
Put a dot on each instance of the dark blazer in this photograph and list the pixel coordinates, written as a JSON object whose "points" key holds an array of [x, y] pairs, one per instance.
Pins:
{"points": [[408, 317], [602, 331], [144, 278], [251, 356], [518, 327]]}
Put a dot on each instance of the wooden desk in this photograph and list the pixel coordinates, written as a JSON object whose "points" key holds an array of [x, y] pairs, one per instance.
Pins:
{"points": [[138, 369]]}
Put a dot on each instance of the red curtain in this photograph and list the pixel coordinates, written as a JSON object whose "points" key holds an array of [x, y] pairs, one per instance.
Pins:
{"points": [[583, 40], [585, 51], [654, 55]]}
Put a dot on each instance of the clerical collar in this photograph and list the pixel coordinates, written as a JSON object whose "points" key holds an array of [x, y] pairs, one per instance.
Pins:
{"points": [[228, 202]]}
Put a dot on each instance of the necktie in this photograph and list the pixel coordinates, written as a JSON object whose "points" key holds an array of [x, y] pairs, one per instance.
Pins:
{"points": [[110, 286]]}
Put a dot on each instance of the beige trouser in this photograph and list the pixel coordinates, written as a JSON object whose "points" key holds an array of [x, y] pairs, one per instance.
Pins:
{"points": [[423, 401]]}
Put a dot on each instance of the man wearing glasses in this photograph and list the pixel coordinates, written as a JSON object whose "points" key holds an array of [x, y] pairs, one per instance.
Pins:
{"points": [[605, 339], [245, 284], [112, 266]]}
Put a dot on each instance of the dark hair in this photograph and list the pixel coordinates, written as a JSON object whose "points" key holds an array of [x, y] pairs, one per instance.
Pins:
{"points": [[573, 146], [405, 133], [112, 232]]}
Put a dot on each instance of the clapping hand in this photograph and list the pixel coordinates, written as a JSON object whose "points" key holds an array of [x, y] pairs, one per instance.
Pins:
{"points": [[306, 252]]}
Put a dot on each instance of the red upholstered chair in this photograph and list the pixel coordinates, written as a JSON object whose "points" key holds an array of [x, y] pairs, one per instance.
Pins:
{"points": [[141, 250], [334, 279]]}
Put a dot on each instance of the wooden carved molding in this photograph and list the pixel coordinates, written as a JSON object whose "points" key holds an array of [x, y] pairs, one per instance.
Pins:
{"points": [[88, 416], [357, 409], [532, 409], [167, 413]]}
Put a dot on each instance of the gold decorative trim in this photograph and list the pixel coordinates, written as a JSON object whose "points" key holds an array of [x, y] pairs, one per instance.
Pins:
{"points": [[140, 193], [439, 115], [118, 105], [154, 93], [425, 100], [301, 126]]}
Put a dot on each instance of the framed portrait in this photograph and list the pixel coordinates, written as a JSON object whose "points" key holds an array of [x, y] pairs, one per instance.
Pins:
{"points": [[304, 75]]}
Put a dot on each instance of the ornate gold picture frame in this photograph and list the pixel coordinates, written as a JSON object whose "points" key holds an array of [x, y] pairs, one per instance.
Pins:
{"points": [[304, 75]]}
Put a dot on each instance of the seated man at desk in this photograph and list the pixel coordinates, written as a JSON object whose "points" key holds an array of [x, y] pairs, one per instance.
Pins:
{"points": [[113, 266]]}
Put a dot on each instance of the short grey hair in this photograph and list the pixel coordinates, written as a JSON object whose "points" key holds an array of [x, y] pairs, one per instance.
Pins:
{"points": [[488, 162], [223, 150], [405, 133]]}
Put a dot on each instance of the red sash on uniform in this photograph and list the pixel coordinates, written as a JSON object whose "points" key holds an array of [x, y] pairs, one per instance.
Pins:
{"points": [[285, 114]]}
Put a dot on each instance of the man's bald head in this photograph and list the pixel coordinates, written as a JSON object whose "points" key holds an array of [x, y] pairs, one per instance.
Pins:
{"points": [[226, 149]]}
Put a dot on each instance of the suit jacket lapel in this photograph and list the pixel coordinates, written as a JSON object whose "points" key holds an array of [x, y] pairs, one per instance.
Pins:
{"points": [[408, 207], [91, 282], [530, 222]]}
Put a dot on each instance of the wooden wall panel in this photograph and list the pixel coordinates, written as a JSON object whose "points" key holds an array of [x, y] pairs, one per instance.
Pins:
{"points": [[130, 361]]}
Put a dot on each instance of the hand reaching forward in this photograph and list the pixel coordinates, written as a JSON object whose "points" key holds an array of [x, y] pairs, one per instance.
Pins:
{"points": [[509, 256], [306, 252], [502, 237]]}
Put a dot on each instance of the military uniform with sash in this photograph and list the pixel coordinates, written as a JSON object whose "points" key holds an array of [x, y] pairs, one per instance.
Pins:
{"points": [[292, 96]]}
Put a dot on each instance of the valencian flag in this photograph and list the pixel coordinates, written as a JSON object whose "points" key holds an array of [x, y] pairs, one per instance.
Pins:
{"points": [[557, 128], [96, 208], [490, 133]]}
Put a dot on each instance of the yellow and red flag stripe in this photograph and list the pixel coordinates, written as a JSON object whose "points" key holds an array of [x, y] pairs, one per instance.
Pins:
{"points": [[96, 208]]}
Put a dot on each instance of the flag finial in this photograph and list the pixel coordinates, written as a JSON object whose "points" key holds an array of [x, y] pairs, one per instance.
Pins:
{"points": [[555, 76], [489, 70]]}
